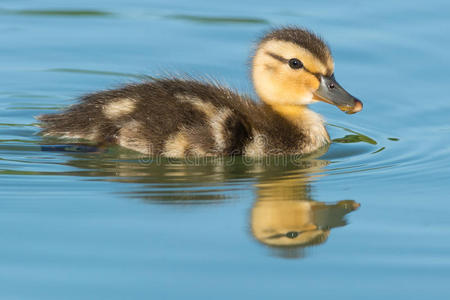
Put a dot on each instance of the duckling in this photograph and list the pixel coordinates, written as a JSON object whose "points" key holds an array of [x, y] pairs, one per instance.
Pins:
{"points": [[175, 117]]}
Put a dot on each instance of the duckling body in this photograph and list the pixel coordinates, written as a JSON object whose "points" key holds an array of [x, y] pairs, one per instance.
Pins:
{"points": [[174, 117], [179, 117]]}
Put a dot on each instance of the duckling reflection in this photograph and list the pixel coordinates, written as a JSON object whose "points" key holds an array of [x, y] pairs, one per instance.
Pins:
{"points": [[284, 215], [291, 225], [286, 218]]}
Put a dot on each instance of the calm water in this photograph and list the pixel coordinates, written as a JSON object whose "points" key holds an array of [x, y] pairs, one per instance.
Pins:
{"points": [[116, 226]]}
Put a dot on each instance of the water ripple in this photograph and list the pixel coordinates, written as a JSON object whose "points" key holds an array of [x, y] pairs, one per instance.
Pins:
{"points": [[215, 19], [56, 13]]}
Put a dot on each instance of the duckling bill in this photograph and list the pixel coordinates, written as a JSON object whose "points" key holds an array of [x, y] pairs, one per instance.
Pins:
{"points": [[331, 92], [176, 117]]}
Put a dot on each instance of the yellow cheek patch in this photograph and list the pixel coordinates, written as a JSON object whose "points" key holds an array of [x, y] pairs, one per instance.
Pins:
{"points": [[296, 85], [301, 79]]}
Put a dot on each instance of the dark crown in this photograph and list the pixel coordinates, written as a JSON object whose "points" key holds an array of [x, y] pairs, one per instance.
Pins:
{"points": [[302, 37]]}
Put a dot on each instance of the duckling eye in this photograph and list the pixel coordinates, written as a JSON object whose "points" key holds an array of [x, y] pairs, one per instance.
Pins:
{"points": [[294, 63], [292, 234]]}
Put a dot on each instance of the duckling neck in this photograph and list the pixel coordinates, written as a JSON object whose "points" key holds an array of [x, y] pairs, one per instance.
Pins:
{"points": [[309, 122]]}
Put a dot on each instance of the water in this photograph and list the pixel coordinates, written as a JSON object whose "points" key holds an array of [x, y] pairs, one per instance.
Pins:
{"points": [[114, 225]]}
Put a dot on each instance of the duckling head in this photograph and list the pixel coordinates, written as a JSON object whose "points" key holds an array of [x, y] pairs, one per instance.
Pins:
{"points": [[294, 67]]}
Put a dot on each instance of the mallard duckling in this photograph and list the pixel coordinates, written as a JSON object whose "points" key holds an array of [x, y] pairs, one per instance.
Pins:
{"points": [[174, 117]]}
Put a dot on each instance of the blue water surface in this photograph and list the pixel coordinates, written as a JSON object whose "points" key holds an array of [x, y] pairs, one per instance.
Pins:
{"points": [[115, 225]]}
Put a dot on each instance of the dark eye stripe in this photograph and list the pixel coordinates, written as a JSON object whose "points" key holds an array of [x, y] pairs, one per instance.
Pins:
{"points": [[284, 60], [277, 57]]}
